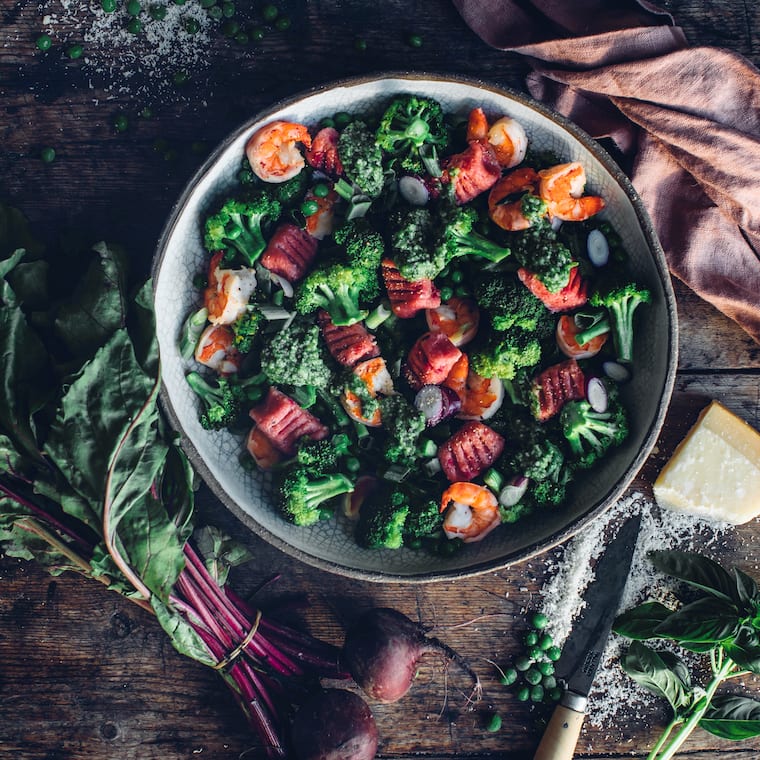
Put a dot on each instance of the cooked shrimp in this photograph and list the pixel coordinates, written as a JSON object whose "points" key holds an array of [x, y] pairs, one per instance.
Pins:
{"points": [[261, 449], [321, 223], [457, 319], [228, 291], [506, 136], [471, 511], [481, 397], [509, 141], [273, 151], [216, 350], [506, 196], [374, 374], [561, 187]]}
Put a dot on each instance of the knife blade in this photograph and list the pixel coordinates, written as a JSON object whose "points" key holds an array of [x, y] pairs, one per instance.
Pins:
{"points": [[582, 652]]}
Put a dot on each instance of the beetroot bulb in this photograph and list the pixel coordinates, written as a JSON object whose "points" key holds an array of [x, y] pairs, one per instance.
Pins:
{"points": [[382, 650]]}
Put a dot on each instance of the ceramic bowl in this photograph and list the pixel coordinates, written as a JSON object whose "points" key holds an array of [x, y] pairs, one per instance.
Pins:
{"points": [[329, 545]]}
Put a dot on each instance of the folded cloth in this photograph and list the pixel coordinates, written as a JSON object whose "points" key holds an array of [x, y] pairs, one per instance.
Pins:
{"points": [[690, 115]]}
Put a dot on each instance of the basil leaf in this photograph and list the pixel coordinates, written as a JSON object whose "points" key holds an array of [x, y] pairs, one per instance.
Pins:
{"points": [[703, 621], [746, 589], [744, 650], [648, 668], [732, 717], [698, 571], [641, 622]]}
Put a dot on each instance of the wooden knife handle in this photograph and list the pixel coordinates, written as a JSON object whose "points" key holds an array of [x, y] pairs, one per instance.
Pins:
{"points": [[561, 735]]}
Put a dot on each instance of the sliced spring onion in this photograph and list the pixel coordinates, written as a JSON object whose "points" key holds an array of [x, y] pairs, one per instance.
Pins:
{"points": [[358, 207], [616, 371], [429, 156], [287, 287], [596, 394], [597, 248], [191, 332], [273, 313], [378, 315], [432, 466], [493, 479]]}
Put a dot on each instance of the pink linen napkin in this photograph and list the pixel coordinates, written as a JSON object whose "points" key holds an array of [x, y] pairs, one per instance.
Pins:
{"points": [[690, 115]]}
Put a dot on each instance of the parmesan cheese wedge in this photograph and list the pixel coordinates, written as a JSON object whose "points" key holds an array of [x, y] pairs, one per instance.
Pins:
{"points": [[715, 471]]}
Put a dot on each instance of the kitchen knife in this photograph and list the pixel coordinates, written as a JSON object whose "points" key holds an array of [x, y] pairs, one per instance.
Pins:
{"points": [[584, 647]]}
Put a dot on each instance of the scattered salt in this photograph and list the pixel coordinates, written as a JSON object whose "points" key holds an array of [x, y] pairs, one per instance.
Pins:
{"points": [[614, 695]]}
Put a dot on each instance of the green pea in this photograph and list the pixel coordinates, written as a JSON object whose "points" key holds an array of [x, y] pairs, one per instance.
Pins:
{"points": [[414, 40], [282, 24], [321, 190], [555, 694], [548, 682], [539, 621], [74, 52], [180, 2], [546, 641], [157, 12], [534, 653], [462, 291], [353, 464], [457, 276], [523, 694], [308, 208], [554, 653], [206, 4], [134, 26], [180, 78], [270, 12], [47, 155], [547, 668], [121, 123], [508, 677], [228, 10], [192, 26], [532, 676], [108, 6], [494, 723], [531, 638], [134, 8], [230, 28], [146, 113], [522, 663], [326, 122], [537, 693], [242, 38], [360, 44], [200, 281], [447, 293], [44, 42], [215, 12], [342, 119]]}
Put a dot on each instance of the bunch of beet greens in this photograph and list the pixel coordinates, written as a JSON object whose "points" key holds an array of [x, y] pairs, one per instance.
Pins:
{"points": [[92, 481]]}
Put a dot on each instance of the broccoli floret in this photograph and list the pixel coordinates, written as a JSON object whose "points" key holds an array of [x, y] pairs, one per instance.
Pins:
{"points": [[505, 352], [296, 356], [621, 302], [302, 494], [292, 191], [321, 457], [363, 245], [338, 288], [424, 519], [413, 241], [382, 518], [425, 243], [362, 158], [509, 303], [245, 328], [589, 433], [539, 250], [540, 459], [222, 401], [409, 123], [403, 423], [458, 237], [238, 225]]}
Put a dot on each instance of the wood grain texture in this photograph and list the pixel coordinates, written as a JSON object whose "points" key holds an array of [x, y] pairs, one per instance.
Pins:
{"points": [[86, 675]]}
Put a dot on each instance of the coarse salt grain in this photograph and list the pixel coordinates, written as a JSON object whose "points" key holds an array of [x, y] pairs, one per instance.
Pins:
{"points": [[571, 571]]}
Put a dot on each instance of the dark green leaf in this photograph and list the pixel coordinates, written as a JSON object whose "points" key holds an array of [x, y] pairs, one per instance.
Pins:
{"points": [[641, 622], [25, 370], [87, 319], [185, 640], [697, 646], [9, 264], [732, 717], [648, 668], [744, 650], [29, 281], [219, 552], [706, 620], [698, 571], [746, 589], [15, 233], [678, 666]]}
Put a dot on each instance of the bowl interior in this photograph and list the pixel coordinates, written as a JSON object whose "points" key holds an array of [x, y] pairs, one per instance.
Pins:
{"points": [[329, 544]]}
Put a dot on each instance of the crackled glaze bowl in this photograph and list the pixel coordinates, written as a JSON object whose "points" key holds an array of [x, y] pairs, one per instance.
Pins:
{"points": [[329, 544]]}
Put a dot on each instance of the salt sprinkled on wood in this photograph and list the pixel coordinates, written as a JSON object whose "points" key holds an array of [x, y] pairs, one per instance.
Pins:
{"points": [[571, 571]]}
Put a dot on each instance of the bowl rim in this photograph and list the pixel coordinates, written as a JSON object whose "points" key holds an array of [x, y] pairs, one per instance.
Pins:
{"points": [[558, 536]]}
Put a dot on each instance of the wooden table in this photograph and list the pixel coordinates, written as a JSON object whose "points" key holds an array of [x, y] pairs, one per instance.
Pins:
{"points": [[86, 674]]}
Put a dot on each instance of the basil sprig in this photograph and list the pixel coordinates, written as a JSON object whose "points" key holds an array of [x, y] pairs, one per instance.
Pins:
{"points": [[724, 623]]}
